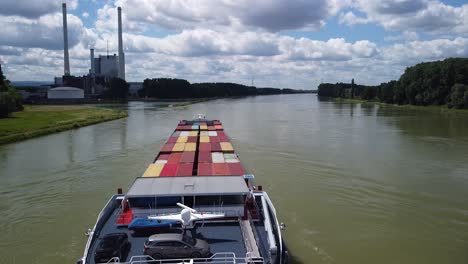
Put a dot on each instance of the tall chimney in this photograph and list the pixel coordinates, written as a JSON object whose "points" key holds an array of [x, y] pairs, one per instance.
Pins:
{"points": [[121, 53], [91, 56], [66, 66]]}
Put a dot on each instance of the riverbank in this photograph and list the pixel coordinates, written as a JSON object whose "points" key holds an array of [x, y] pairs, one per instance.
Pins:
{"points": [[39, 120], [442, 109]]}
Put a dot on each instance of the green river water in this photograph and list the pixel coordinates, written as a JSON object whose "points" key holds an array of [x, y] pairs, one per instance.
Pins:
{"points": [[353, 183]]}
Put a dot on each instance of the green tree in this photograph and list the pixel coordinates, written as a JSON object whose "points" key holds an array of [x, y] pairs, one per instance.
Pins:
{"points": [[3, 87], [352, 88], [10, 99], [116, 89], [459, 96]]}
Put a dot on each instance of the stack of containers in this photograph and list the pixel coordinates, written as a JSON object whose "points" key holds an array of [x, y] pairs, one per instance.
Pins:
{"points": [[177, 156], [215, 154]]}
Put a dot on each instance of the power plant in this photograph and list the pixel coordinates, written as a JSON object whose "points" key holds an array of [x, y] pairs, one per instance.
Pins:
{"points": [[102, 68]]}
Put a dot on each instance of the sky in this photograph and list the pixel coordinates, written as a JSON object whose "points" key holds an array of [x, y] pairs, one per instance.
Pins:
{"points": [[272, 43]]}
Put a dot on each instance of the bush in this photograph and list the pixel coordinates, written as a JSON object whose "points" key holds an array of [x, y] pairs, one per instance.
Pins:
{"points": [[10, 101]]}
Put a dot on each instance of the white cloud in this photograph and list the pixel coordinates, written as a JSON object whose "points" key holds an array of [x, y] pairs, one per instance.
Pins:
{"points": [[43, 32], [351, 19], [85, 14], [267, 15], [33, 9], [419, 51], [233, 41], [431, 17]]}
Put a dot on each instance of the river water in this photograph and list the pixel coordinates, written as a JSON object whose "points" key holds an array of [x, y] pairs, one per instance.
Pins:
{"points": [[354, 183]]}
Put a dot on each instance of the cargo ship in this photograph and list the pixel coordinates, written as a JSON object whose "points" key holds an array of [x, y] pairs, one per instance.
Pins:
{"points": [[195, 203]]}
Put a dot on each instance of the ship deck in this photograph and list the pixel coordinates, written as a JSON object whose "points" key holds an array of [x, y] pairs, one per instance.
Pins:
{"points": [[197, 167], [222, 236]]}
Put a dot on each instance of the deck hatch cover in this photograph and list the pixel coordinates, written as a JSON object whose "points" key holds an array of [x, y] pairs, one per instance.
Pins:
{"points": [[198, 185]]}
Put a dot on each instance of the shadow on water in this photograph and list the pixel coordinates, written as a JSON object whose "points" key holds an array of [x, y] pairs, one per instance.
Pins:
{"points": [[294, 260]]}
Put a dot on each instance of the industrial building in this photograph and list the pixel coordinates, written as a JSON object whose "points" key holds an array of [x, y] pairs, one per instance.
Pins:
{"points": [[102, 69], [106, 66], [65, 93]]}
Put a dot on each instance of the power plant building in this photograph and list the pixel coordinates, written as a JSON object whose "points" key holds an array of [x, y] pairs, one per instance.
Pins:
{"points": [[103, 68], [106, 66]]}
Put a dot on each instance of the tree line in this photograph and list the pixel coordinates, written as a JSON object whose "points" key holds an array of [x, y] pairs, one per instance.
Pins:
{"points": [[179, 88], [10, 99], [429, 83]]}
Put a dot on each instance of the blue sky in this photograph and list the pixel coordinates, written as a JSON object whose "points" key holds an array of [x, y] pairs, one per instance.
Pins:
{"points": [[279, 43]]}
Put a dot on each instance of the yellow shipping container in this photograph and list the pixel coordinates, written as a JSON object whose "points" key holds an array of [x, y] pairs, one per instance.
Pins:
{"points": [[203, 127], [153, 170], [205, 139], [190, 146], [182, 139], [178, 147], [193, 133], [226, 146]]}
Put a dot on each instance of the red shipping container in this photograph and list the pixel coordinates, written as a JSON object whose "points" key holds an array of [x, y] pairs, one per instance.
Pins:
{"points": [[204, 146], [192, 140], [204, 157], [168, 147], [214, 139], [211, 128], [216, 122], [215, 147], [236, 168], [172, 140], [175, 157], [179, 128], [187, 157], [205, 169], [220, 169], [223, 139], [163, 157], [221, 133], [182, 122], [185, 169], [169, 170]]}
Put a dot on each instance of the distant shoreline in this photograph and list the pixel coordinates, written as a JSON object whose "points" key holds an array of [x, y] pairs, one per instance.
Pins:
{"points": [[430, 108]]}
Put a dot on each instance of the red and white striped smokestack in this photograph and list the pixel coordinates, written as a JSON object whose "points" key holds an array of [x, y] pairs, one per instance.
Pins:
{"points": [[121, 53], [66, 60]]}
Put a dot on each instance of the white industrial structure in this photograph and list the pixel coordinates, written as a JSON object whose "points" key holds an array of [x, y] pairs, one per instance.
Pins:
{"points": [[65, 93], [103, 68], [121, 53], [66, 65], [106, 66], [110, 65]]}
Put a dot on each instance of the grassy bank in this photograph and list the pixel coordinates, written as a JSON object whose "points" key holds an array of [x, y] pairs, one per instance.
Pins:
{"points": [[41, 120], [442, 109]]}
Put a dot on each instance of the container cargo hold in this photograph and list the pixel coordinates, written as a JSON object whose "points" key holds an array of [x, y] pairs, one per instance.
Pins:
{"points": [[195, 186]]}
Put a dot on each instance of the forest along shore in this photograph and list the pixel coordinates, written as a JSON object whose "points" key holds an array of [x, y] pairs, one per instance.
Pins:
{"points": [[437, 83], [41, 120]]}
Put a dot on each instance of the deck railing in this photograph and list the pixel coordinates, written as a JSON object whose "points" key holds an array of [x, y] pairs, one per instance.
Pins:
{"points": [[217, 258]]}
